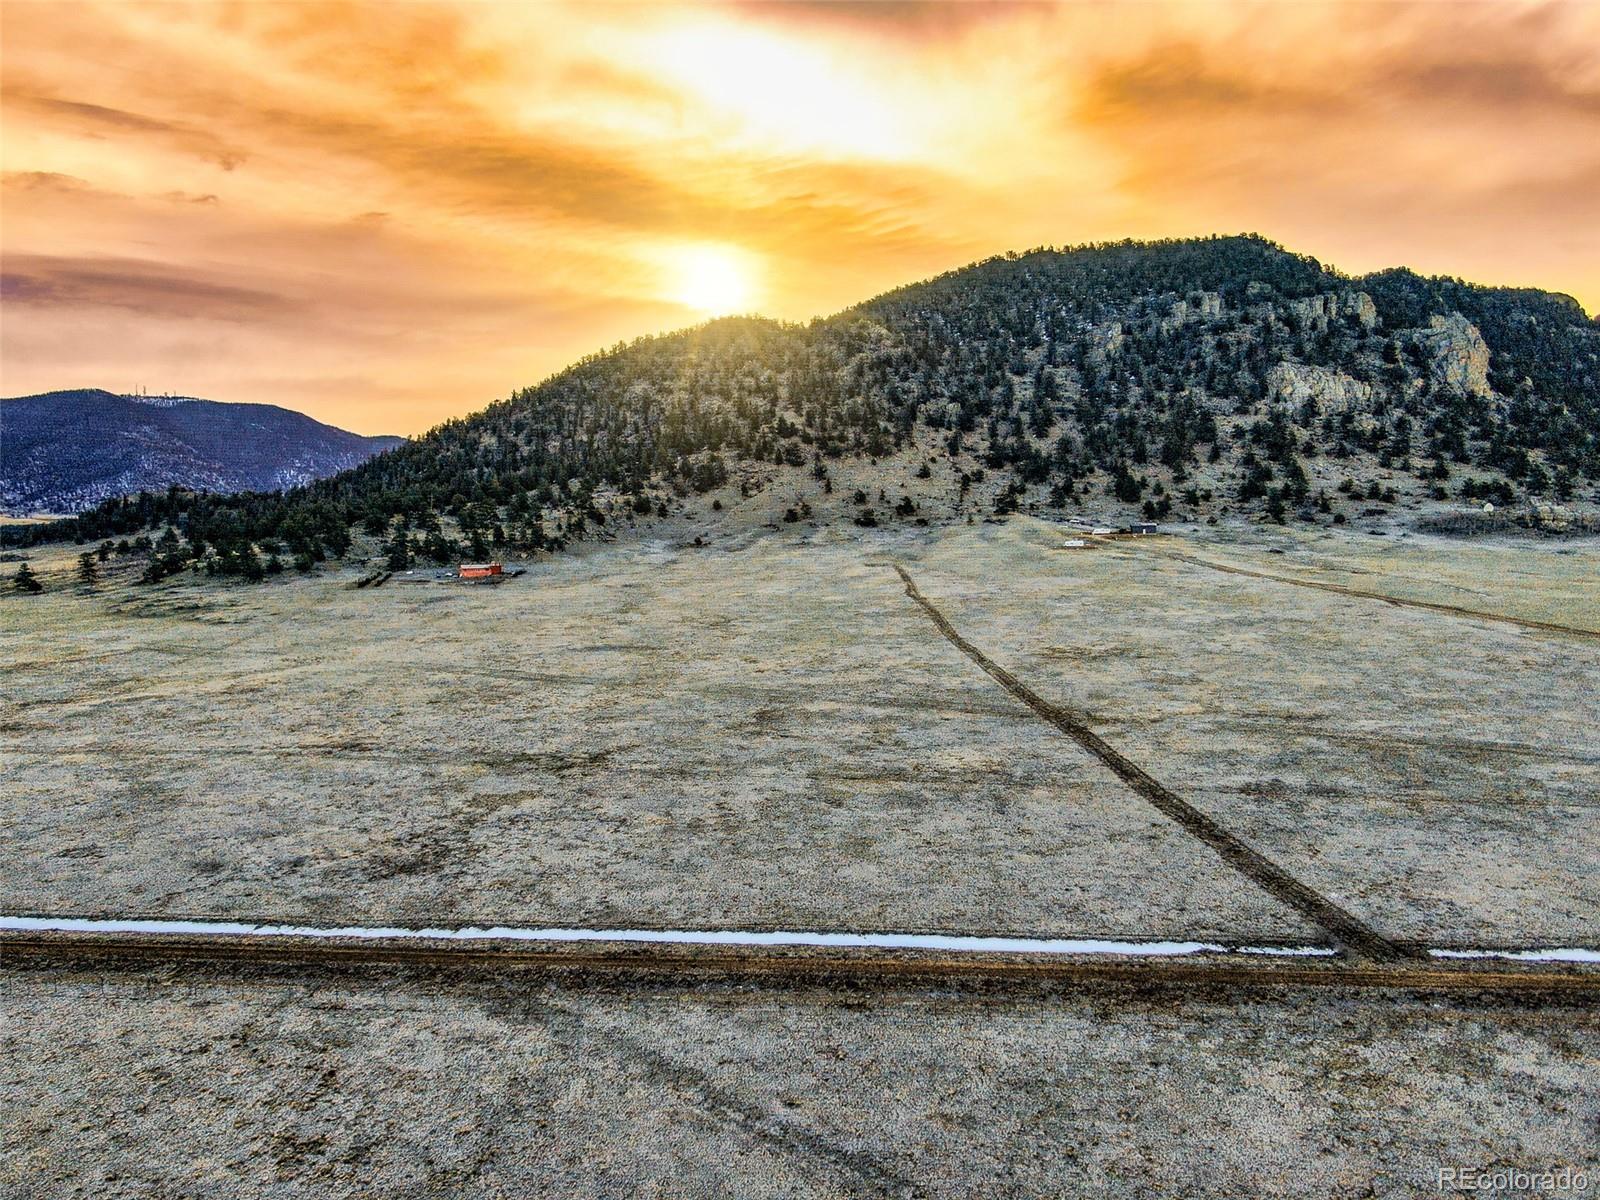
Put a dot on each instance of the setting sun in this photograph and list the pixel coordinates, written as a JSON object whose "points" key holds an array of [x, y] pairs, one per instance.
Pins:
{"points": [[511, 514], [712, 280], [380, 214]]}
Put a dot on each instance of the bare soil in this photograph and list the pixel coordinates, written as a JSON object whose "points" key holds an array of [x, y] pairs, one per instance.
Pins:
{"points": [[147, 1085], [768, 732]]}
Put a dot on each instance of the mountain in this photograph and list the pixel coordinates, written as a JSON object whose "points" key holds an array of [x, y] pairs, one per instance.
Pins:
{"points": [[71, 450], [1184, 380]]}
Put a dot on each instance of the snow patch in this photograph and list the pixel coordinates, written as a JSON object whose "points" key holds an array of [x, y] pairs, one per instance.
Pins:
{"points": [[715, 937], [1551, 954]]}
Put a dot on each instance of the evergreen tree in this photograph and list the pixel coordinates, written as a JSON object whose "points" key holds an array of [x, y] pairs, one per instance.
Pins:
{"points": [[26, 582], [398, 550], [1075, 348], [88, 572]]}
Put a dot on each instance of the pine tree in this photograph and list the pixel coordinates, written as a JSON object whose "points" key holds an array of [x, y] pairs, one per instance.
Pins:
{"points": [[88, 572], [26, 581], [986, 361], [399, 550]]}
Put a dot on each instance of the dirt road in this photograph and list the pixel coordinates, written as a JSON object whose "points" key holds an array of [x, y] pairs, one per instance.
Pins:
{"points": [[1344, 926], [1340, 589]]}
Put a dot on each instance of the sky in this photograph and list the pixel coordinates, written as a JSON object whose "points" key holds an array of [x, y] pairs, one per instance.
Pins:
{"points": [[386, 215]]}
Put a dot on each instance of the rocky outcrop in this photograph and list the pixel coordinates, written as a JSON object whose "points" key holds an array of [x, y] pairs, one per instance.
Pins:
{"points": [[1458, 358], [1105, 340], [1316, 312], [1552, 517], [1364, 309], [1295, 383], [1200, 306]]}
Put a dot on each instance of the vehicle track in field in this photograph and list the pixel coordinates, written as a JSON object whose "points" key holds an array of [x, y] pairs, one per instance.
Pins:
{"points": [[848, 973], [1348, 929], [1339, 589], [859, 1172]]}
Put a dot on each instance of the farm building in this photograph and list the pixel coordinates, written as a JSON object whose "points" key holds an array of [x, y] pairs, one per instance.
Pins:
{"points": [[479, 570], [1143, 527]]}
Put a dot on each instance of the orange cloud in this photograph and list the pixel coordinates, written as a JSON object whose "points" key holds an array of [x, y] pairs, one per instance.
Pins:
{"points": [[49, 281], [391, 214]]}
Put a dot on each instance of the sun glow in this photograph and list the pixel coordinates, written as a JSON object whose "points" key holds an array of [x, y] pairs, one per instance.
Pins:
{"points": [[402, 208], [712, 280], [784, 91]]}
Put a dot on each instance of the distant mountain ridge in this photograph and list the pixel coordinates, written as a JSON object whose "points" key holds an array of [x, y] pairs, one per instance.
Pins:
{"points": [[1180, 381], [70, 450]]}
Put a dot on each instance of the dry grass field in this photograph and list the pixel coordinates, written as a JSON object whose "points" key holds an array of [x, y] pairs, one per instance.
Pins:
{"points": [[775, 736], [769, 733], [152, 1085]]}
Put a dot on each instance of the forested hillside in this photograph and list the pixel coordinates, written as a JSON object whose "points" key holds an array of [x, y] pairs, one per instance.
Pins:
{"points": [[1178, 379], [66, 451]]}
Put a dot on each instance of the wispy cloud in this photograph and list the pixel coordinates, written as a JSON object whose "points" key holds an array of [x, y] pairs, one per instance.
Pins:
{"points": [[97, 121], [49, 281], [393, 213]]}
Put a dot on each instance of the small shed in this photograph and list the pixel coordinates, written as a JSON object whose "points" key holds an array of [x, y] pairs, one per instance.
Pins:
{"points": [[1144, 527], [479, 570]]}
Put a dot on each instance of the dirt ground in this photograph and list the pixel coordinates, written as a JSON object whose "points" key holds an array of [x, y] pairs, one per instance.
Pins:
{"points": [[766, 732], [137, 1086], [774, 735], [1436, 774]]}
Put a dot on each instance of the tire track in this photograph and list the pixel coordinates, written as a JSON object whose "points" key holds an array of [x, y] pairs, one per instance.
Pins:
{"points": [[1338, 589], [1344, 926], [786, 969], [859, 1172]]}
